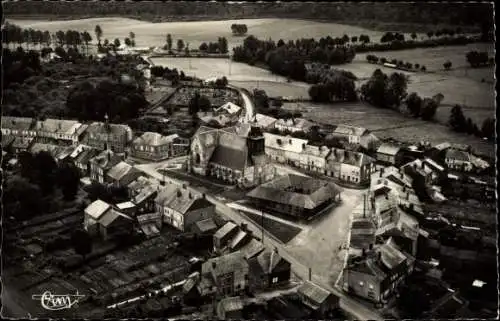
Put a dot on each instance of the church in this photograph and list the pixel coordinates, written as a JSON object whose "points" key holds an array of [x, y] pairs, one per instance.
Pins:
{"points": [[235, 155]]}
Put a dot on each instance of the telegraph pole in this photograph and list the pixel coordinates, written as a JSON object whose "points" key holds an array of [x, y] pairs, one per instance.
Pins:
{"points": [[262, 226]]}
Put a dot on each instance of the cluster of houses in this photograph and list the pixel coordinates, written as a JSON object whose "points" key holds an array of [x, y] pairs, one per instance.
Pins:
{"points": [[151, 204], [244, 265]]}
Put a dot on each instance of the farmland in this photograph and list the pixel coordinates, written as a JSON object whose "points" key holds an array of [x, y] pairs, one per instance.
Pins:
{"points": [[197, 32]]}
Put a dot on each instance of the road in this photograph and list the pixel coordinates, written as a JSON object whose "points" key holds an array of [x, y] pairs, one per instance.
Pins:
{"points": [[247, 104]]}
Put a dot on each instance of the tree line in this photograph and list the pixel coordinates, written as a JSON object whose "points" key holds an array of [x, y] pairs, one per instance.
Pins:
{"points": [[479, 59], [461, 124], [220, 46], [288, 59]]}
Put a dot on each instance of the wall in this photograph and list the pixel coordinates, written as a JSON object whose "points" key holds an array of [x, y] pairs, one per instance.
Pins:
{"points": [[354, 278], [198, 215]]}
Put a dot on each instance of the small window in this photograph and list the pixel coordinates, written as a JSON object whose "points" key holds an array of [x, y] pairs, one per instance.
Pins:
{"points": [[361, 283], [275, 280], [370, 286]]}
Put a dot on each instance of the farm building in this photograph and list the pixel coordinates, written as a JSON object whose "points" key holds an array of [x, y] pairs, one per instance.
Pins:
{"points": [[293, 195]]}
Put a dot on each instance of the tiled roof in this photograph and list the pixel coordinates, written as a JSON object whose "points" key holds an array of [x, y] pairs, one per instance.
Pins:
{"points": [[349, 157], [264, 120], [252, 248], [296, 145], [238, 239], [314, 292], [114, 129], [97, 208], [225, 264], [269, 260], [107, 159], [121, 169], [228, 157], [299, 191], [459, 155], [350, 130], [146, 192], [155, 139], [224, 230], [185, 203], [391, 256], [86, 155], [206, 225], [167, 194], [19, 123], [125, 205], [301, 123], [110, 216], [388, 149], [59, 126]]}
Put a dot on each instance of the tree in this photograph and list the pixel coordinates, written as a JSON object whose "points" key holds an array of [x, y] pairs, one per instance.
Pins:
{"points": [[86, 37], [414, 104], [169, 42], [354, 39], [180, 45], [198, 103], [21, 198], [116, 43], [447, 65], [488, 128], [98, 33], [457, 119], [223, 46], [128, 42], [430, 34], [470, 126], [260, 98], [413, 36], [429, 109], [81, 242], [132, 38], [69, 180], [204, 47]]}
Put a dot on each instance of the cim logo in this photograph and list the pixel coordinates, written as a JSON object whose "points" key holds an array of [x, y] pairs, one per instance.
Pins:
{"points": [[54, 302]]}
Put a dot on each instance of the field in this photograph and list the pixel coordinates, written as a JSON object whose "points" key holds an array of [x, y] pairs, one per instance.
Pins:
{"points": [[388, 123], [196, 32], [283, 232]]}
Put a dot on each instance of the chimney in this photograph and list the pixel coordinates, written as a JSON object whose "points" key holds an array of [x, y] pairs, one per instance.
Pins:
{"points": [[422, 165], [363, 252], [109, 157], [244, 227], [310, 274], [380, 256], [214, 265], [382, 170], [370, 246], [190, 195], [404, 188], [179, 193], [411, 206], [408, 195]]}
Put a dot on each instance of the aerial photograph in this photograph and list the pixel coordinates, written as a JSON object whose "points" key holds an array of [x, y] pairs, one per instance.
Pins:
{"points": [[228, 160]]}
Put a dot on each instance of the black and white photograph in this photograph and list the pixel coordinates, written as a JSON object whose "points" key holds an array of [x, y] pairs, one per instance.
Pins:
{"points": [[234, 160]]}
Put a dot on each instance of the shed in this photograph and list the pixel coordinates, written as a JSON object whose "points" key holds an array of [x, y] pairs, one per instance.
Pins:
{"points": [[317, 298]]}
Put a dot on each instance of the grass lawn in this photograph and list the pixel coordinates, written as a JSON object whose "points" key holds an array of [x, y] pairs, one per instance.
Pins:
{"points": [[283, 232]]}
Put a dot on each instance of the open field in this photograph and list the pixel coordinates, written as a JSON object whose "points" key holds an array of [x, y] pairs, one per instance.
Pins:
{"points": [[388, 123], [196, 32], [283, 232]]}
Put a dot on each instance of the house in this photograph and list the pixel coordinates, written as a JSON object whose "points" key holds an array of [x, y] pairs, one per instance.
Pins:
{"points": [[101, 164], [145, 200], [235, 155], [82, 160], [181, 208], [458, 160], [349, 167], [252, 249], [284, 149], [264, 121], [293, 125], [22, 144], [59, 131], [135, 187], [18, 126], [377, 274], [354, 135], [224, 235], [154, 146], [7, 141], [122, 174], [108, 136], [298, 196], [114, 223], [228, 274], [318, 299], [268, 269], [390, 154], [421, 171], [363, 232], [229, 109], [230, 309], [92, 214], [313, 158]]}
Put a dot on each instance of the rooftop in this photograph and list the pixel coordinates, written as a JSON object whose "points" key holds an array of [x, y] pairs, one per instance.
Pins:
{"points": [[17, 123], [226, 229], [121, 169], [314, 292], [299, 191], [458, 155], [350, 130], [155, 139], [97, 208], [388, 149], [225, 264]]}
